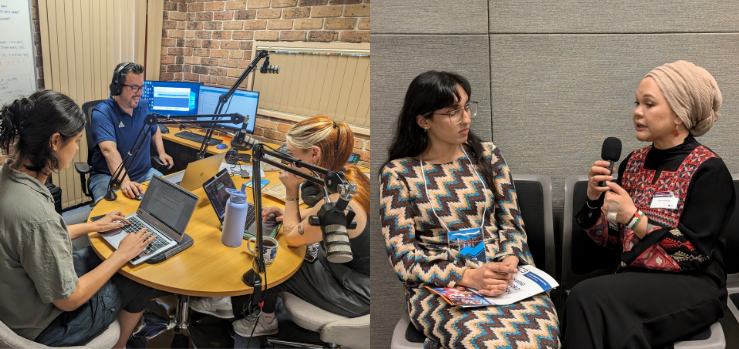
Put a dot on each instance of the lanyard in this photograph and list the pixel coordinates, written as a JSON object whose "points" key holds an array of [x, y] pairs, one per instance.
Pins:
{"points": [[432, 202]]}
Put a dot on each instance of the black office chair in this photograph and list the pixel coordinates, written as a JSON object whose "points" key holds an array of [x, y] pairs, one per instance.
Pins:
{"points": [[535, 201], [731, 257], [84, 168], [582, 259]]}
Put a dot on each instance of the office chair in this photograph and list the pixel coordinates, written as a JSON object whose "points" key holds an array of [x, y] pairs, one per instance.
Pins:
{"points": [[731, 259], [535, 201], [107, 339], [582, 259], [85, 168]]}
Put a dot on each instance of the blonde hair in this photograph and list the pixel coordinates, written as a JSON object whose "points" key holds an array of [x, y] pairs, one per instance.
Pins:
{"points": [[336, 141]]}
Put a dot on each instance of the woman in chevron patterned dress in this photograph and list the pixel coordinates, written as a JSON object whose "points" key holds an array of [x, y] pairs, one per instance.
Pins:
{"points": [[674, 199], [441, 178]]}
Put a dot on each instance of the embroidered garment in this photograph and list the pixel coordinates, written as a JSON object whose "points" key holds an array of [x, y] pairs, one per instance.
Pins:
{"points": [[417, 246]]}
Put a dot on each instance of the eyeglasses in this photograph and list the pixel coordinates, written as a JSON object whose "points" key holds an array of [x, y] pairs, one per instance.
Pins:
{"points": [[135, 88], [456, 115]]}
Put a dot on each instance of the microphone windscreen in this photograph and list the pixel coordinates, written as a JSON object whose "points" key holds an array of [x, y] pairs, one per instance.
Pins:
{"points": [[611, 149]]}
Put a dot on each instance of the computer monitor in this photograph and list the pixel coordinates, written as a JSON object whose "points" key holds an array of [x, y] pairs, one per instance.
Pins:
{"points": [[172, 98], [242, 102]]}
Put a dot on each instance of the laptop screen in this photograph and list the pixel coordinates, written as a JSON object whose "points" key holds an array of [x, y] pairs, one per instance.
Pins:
{"points": [[169, 203], [215, 189]]}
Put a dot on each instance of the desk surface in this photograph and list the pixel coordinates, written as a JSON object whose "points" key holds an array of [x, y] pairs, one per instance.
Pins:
{"points": [[196, 145], [208, 268]]}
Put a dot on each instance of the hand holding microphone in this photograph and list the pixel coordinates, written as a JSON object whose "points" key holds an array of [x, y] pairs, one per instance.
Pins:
{"points": [[602, 170]]}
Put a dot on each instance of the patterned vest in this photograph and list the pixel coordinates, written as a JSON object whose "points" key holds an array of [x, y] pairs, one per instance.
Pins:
{"points": [[637, 181]]}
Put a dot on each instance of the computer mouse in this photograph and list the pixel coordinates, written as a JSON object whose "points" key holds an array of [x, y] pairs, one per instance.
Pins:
{"points": [[139, 197], [221, 146], [164, 129]]}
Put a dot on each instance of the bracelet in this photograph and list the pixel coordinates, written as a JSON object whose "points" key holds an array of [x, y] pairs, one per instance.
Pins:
{"points": [[288, 199], [587, 203], [635, 220]]}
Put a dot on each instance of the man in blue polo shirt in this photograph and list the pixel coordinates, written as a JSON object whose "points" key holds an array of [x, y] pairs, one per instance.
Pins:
{"points": [[115, 124]]}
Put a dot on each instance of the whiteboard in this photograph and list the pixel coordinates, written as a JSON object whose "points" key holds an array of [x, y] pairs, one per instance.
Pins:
{"points": [[17, 56]]}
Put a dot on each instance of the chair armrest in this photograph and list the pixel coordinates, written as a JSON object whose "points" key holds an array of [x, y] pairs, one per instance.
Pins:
{"points": [[354, 332], [156, 160], [82, 167]]}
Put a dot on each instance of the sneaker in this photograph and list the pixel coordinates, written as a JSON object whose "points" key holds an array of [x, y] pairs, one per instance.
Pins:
{"points": [[267, 325], [216, 306]]}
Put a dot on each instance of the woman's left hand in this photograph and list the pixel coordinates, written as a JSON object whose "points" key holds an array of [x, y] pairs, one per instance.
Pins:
{"points": [[626, 207], [107, 223], [291, 181]]}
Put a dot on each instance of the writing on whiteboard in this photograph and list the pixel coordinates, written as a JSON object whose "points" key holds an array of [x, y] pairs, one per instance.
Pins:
{"points": [[17, 61]]}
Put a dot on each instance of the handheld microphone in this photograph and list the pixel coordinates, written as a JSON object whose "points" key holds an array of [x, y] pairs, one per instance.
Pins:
{"points": [[610, 152], [266, 68]]}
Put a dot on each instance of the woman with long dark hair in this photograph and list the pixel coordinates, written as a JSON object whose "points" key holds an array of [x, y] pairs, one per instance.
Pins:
{"points": [[51, 294], [440, 178], [666, 213]]}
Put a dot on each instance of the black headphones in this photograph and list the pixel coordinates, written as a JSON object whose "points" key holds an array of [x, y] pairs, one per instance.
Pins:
{"points": [[233, 156], [115, 85], [310, 193]]}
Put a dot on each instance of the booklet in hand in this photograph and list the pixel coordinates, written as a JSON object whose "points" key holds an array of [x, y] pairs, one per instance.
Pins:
{"points": [[529, 281]]}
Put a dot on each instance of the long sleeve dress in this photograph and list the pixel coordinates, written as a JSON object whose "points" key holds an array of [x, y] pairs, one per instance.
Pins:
{"points": [[670, 284], [418, 249]]}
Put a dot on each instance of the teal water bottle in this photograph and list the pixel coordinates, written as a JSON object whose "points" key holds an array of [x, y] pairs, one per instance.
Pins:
{"points": [[235, 218]]}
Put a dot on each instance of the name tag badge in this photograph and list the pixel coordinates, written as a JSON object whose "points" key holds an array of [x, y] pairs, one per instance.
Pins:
{"points": [[665, 199]]}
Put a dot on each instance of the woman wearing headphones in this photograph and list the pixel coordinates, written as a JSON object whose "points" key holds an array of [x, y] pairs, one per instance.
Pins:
{"points": [[328, 144]]}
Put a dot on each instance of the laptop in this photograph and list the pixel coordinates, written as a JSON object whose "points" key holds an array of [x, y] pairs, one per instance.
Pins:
{"points": [[165, 211], [197, 172], [215, 189]]}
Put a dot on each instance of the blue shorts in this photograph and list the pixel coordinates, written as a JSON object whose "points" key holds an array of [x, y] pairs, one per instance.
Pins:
{"points": [[78, 327]]}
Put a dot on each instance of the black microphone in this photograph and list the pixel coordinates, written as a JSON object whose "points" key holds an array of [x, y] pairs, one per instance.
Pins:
{"points": [[266, 68], [334, 223], [610, 152], [241, 140]]}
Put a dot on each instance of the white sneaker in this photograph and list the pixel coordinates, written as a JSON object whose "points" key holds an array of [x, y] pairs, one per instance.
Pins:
{"points": [[267, 325], [216, 306]]}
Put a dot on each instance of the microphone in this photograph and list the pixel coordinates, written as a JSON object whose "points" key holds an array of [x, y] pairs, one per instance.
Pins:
{"points": [[241, 140], [266, 68], [334, 222], [610, 152]]}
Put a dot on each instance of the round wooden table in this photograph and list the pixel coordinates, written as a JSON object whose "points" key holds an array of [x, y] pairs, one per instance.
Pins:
{"points": [[208, 268]]}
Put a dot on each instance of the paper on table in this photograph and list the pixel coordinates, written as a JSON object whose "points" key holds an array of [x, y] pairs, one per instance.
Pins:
{"points": [[236, 169]]}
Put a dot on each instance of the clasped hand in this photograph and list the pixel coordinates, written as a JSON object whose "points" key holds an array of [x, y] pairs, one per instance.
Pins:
{"points": [[493, 278]]}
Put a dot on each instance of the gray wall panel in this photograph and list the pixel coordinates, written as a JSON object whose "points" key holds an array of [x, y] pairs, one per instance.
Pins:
{"points": [[396, 60], [557, 97], [627, 16], [429, 17]]}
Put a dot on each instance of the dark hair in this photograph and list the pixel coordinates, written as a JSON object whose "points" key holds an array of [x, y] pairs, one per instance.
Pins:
{"points": [[27, 124], [130, 68], [429, 92]]}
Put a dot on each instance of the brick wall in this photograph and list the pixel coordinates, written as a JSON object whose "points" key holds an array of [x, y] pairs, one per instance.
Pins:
{"points": [[211, 41]]}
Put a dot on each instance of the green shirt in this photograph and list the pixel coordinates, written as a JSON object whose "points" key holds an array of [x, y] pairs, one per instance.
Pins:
{"points": [[36, 265]]}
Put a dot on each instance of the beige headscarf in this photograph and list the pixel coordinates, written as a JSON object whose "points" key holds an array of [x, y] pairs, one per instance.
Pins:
{"points": [[692, 93]]}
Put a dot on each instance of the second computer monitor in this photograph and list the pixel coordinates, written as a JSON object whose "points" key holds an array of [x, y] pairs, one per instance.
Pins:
{"points": [[171, 98], [242, 102]]}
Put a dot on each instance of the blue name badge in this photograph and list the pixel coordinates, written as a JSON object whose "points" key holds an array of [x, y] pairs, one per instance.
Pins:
{"points": [[468, 242]]}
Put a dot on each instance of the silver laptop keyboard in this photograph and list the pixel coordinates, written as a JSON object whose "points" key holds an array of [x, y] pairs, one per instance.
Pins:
{"points": [[137, 224]]}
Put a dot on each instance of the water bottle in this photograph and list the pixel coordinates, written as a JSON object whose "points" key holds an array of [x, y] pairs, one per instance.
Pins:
{"points": [[235, 219]]}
